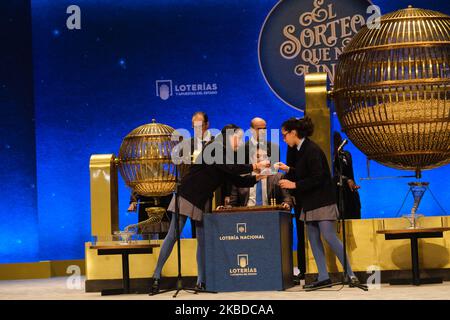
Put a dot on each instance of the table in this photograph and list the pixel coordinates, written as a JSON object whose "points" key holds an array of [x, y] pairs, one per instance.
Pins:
{"points": [[414, 235], [125, 251], [248, 251]]}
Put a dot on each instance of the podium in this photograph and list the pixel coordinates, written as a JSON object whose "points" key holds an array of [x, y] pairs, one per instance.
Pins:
{"points": [[248, 251]]}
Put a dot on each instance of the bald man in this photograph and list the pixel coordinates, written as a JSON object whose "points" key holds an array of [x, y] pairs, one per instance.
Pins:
{"points": [[259, 140]]}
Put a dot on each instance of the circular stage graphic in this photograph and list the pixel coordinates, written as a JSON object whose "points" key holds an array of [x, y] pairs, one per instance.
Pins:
{"points": [[306, 36]]}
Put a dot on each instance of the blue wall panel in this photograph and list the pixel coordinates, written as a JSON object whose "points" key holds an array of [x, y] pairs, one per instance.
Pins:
{"points": [[92, 86]]}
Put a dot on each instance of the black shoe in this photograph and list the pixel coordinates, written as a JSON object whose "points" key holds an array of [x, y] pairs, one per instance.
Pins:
{"points": [[316, 284], [298, 278], [200, 286], [353, 281], [155, 287]]}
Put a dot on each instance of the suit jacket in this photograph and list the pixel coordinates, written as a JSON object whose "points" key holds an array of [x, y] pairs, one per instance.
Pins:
{"points": [[309, 169], [270, 147], [202, 179], [351, 201], [240, 196], [186, 159]]}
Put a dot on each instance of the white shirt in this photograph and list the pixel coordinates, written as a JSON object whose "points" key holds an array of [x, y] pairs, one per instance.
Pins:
{"points": [[198, 145], [206, 138], [263, 145], [252, 194], [252, 149], [300, 144]]}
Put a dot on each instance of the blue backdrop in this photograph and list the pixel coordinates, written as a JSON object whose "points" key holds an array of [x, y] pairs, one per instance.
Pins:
{"points": [[92, 86]]}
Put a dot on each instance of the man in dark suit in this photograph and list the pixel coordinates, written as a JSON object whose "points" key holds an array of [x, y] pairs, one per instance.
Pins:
{"points": [[243, 197], [263, 192], [259, 140], [187, 151], [350, 201]]}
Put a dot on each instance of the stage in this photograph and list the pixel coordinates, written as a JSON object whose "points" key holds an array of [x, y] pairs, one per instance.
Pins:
{"points": [[338, 112], [55, 288]]}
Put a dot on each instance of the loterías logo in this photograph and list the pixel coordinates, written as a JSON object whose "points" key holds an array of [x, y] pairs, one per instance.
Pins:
{"points": [[305, 36], [164, 89], [167, 88]]}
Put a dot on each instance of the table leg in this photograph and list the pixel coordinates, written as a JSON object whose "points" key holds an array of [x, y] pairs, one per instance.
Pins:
{"points": [[415, 268], [415, 261], [125, 273]]}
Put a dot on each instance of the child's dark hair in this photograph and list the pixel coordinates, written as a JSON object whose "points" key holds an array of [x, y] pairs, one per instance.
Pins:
{"points": [[230, 129], [304, 126]]}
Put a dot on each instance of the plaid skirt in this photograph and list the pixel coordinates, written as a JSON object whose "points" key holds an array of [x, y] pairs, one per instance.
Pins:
{"points": [[186, 208], [330, 212]]}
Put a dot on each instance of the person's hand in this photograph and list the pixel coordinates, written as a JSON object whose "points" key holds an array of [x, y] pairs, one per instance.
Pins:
{"points": [[261, 165], [281, 166], [287, 184], [132, 207], [260, 177], [286, 206], [352, 185], [220, 208]]}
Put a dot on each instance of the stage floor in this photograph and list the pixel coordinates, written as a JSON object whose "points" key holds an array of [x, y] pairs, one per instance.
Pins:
{"points": [[56, 288]]}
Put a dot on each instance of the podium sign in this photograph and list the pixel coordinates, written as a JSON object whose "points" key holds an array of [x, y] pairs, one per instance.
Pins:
{"points": [[248, 251]]}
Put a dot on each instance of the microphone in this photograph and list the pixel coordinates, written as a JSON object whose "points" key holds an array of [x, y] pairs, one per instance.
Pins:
{"points": [[342, 145]]}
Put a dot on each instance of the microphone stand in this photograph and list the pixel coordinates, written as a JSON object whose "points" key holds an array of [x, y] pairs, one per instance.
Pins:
{"points": [[179, 285], [345, 278]]}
